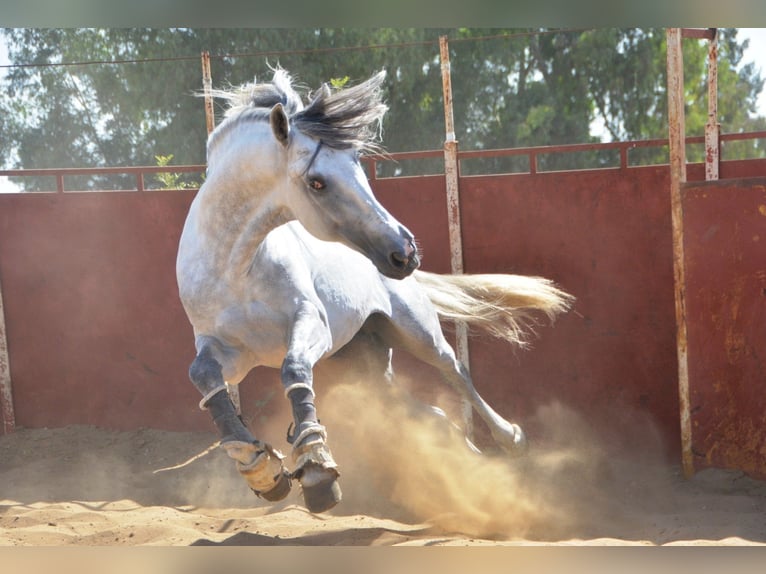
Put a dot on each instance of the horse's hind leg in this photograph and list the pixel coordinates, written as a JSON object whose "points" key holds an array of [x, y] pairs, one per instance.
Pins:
{"points": [[419, 332], [507, 435], [258, 463], [366, 357], [314, 464]]}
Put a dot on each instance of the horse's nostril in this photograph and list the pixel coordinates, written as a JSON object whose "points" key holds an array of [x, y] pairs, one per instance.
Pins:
{"points": [[405, 259], [399, 260]]}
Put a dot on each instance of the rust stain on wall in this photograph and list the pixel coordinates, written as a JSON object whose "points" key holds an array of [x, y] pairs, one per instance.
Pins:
{"points": [[726, 300]]}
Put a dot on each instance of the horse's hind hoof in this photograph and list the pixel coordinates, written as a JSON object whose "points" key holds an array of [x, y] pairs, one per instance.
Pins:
{"points": [[280, 491], [512, 440], [521, 444], [321, 490]]}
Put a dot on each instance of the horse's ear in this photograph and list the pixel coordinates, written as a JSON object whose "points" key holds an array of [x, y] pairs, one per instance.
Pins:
{"points": [[280, 125]]}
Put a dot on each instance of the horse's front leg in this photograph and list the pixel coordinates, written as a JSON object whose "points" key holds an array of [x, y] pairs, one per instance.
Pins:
{"points": [[310, 339], [258, 463]]}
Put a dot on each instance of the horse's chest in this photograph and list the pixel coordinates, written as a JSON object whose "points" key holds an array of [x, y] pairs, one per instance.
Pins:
{"points": [[261, 329]]}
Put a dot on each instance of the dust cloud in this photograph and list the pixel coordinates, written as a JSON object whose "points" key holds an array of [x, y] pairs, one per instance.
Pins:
{"points": [[397, 459], [92, 464]]}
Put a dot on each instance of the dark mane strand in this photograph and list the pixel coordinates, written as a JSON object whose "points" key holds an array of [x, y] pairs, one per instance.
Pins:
{"points": [[344, 118], [349, 117]]}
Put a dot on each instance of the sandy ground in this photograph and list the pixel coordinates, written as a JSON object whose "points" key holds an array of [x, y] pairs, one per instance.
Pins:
{"points": [[413, 484]]}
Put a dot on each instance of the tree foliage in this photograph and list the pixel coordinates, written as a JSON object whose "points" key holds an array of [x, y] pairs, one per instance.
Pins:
{"points": [[511, 88]]}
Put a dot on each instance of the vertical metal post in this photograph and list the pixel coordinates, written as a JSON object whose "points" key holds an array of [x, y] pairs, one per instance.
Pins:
{"points": [[451, 173], [712, 127], [6, 395], [677, 145], [207, 85]]}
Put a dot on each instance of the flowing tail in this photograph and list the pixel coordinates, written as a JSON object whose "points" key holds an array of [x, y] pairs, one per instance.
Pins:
{"points": [[505, 306]]}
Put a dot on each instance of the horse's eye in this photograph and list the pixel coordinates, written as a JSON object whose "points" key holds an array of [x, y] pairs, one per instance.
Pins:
{"points": [[316, 184]]}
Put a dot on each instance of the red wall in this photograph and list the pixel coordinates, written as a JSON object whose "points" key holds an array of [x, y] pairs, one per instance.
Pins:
{"points": [[725, 231], [96, 333], [605, 237]]}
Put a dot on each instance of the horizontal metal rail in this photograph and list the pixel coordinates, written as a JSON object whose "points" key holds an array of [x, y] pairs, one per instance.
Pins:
{"points": [[371, 160], [534, 152], [137, 171]]}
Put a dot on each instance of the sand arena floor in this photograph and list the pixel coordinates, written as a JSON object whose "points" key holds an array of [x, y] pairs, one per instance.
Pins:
{"points": [[413, 484]]}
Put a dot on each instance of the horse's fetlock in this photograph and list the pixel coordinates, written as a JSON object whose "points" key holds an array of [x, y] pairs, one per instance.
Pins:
{"points": [[310, 448], [307, 431]]}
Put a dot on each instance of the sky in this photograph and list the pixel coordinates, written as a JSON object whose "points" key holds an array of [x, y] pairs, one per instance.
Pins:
{"points": [[756, 52]]}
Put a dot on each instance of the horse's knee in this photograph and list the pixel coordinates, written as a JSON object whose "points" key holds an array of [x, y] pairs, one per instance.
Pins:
{"points": [[295, 371], [204, 367], [206, 372]]}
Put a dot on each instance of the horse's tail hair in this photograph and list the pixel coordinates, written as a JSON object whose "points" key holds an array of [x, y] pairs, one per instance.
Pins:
{"points": [[505, 306]]}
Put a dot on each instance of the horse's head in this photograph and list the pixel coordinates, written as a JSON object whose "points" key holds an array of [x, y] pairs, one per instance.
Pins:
{"points": [[327, 189]]}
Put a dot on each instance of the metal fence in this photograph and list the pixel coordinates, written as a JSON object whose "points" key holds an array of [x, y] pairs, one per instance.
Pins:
{"points": [[612, 155]]}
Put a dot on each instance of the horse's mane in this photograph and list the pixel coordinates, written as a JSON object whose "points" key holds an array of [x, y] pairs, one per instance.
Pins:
{"points": [[342, 118]]}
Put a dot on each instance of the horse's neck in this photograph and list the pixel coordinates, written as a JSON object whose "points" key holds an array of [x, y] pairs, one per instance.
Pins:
{"points": [[237, 202], [250, 237]]}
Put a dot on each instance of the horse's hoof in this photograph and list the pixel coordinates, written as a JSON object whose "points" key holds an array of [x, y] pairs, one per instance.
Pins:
{"points": [[520, 445], [316, 470], [280, 491], [512, 440], [321, 490], [261, 466]]}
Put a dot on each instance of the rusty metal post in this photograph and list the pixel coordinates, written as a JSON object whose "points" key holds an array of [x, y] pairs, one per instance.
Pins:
{"points": [[451, 172], [712, 127], [6, 394], [450, 164], [207, 85], [677, 145]]}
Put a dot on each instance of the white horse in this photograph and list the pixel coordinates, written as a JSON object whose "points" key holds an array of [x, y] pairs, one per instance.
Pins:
{"points": [[286, 257]]}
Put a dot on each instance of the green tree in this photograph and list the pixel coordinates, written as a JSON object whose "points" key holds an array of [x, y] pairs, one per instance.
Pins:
{"points": [[511, 88]]}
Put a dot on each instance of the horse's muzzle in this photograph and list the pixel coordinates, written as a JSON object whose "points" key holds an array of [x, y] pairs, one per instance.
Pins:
{"points": [[404, 261]]}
